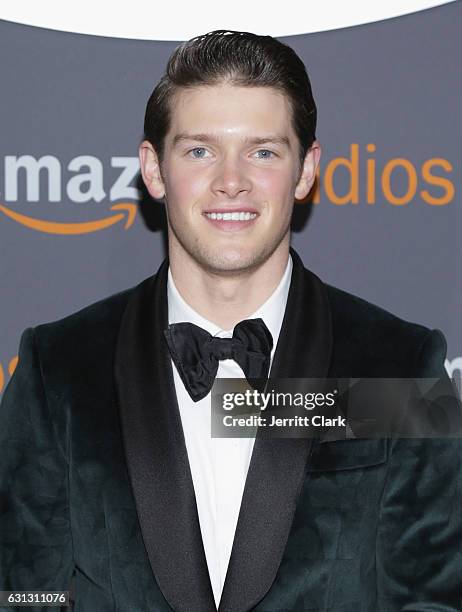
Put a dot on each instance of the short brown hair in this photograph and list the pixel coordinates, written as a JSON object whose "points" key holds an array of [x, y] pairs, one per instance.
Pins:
{"points": [[241, 58]]}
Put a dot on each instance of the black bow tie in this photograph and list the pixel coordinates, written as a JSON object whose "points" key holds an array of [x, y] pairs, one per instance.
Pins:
{"points": [[196, 353]]}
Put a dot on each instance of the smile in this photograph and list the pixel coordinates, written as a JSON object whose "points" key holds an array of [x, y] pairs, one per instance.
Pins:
{"points": [[231, 216]]}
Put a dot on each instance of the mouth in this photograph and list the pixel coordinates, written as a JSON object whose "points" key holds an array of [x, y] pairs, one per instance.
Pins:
{"points": [[237, 215], [231, 221]]}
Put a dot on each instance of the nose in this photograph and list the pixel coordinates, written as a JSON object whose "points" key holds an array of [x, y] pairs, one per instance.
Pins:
{"points": [[231, 178]]}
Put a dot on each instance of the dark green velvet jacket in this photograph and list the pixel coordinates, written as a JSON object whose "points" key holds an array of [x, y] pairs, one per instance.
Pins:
{"points": [[95, 480]]}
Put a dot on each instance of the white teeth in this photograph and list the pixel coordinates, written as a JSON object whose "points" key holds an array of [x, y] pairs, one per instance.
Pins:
{"points": [[232, 216]]}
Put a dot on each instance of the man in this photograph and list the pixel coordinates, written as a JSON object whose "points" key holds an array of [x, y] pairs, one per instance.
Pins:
{"points": [[109, 472]]}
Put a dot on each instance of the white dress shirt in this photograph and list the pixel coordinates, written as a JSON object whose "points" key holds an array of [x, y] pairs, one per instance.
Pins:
{"points": [[219, 466]]}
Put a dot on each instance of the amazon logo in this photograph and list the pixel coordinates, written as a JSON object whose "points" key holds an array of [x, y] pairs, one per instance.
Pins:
{"points": [[83, 182], [27, 179]]}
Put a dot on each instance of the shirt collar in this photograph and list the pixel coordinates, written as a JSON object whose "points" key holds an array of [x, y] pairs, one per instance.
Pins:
{"points": [[271, 311]]}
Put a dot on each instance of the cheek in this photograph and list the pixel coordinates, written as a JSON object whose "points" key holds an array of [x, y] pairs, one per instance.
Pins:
{"points": [[277, 187], [277, 182], [183, 188]]}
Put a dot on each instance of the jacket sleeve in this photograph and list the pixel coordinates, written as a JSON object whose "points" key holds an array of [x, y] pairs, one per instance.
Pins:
{"points": [[419, 536], [35, 537]]}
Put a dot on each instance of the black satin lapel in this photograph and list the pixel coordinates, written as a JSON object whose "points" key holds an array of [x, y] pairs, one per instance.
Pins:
{"points": [[156, 452], [304, 349], [277, 468]]}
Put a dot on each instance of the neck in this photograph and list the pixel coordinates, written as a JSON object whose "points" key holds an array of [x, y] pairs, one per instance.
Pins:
{"points": [[226, 299]]}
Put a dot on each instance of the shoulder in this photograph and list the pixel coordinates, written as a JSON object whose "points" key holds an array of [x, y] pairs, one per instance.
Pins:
{"points": [[383, 343], [104, 313], [86, 336], [361, 316]]}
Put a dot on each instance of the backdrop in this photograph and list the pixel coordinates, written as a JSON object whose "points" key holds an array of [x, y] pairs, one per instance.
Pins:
{"points": [[385, 219]]}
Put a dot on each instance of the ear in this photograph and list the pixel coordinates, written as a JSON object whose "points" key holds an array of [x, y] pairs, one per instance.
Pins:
{"points": [[308, 173], [150, 170]]}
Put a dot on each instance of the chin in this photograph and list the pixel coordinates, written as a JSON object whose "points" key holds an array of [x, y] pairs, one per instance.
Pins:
{"points": [[229, 261]]}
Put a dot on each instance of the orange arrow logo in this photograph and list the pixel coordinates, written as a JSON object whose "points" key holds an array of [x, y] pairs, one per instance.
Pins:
{"points": [[11, 368], [52, 227]]}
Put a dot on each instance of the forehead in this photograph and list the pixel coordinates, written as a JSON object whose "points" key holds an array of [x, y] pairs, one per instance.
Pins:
{"points": [[230, 109]]}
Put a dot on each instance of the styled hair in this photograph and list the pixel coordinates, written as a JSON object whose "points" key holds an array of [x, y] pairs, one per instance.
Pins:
{"points": [[239, 58]]}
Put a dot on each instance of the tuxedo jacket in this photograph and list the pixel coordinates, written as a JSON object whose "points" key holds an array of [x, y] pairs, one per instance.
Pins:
{"points": [[95, 482]]}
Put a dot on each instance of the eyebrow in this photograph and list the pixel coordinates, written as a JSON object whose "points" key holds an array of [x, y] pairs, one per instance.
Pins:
{"points": [[210, 138]]}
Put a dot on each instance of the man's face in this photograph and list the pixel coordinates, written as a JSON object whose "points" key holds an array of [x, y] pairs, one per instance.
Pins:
{"points": [[230, 172]]}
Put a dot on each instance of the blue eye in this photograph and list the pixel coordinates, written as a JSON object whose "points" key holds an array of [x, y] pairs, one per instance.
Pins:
{"points": [[266, 154], [200, 151]]}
